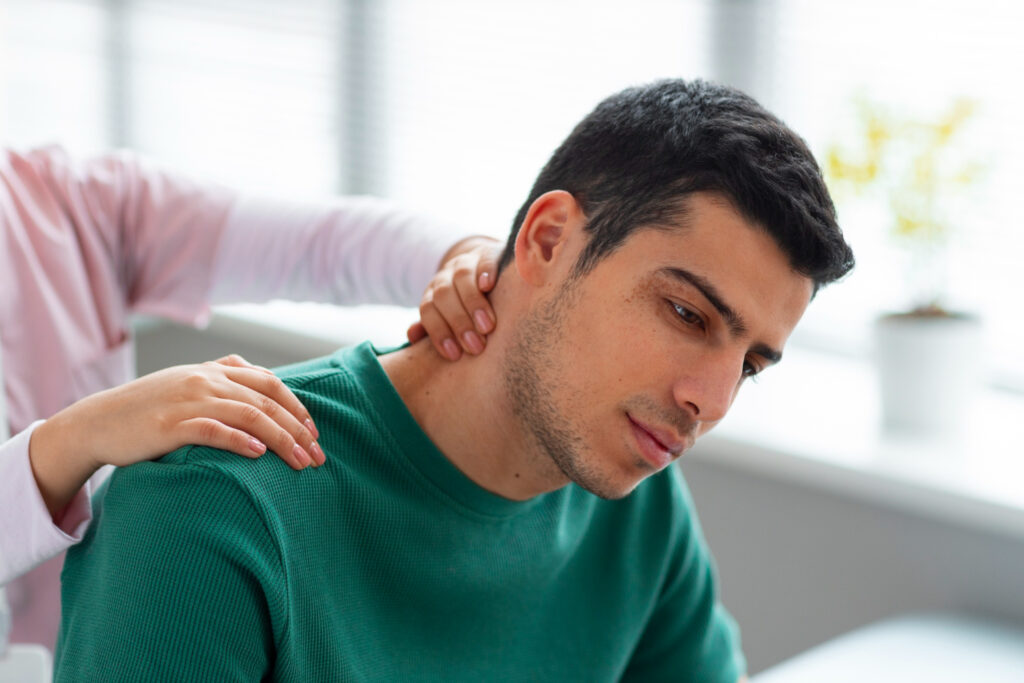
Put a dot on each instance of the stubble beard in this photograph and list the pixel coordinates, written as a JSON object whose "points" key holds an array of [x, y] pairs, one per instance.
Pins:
{"points": [[532, 371]]}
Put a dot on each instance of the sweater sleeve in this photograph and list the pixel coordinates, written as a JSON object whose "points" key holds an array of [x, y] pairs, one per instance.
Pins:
{"points": [[690, 636], [350, 250], [179, 580], [28, 535]]}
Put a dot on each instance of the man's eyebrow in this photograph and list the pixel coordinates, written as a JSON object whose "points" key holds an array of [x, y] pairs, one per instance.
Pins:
{"points": [[767, 352], [733, 319], [735, 322]]}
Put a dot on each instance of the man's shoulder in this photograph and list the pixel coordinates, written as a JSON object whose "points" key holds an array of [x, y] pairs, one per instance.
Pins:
{"points": [[323, 373], [306, 370], [342, 379], [332, 391]]}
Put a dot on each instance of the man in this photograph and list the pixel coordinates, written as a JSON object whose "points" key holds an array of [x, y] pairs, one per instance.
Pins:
{"points": [[512, 517]]}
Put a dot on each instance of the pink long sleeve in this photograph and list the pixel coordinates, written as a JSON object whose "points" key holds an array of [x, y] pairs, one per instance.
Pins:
{"points": [[83, 246], [347, 251], [29, 534]]}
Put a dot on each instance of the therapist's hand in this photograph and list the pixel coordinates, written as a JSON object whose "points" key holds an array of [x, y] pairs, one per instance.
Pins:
{"points": [[228, 404], [454, 311]]}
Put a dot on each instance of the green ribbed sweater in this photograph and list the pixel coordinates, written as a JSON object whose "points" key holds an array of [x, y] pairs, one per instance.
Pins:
{"points": [[385, 564]]}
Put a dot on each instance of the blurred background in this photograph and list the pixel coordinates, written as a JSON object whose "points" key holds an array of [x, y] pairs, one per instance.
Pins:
{"points": [[452, 106]]}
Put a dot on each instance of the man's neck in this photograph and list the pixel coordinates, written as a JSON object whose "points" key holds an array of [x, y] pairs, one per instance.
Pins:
{"points": [[464, 409]]}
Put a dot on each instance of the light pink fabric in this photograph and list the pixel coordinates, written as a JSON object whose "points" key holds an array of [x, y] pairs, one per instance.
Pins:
{"points": [[26, 541], [350, 251], [85, 244]]}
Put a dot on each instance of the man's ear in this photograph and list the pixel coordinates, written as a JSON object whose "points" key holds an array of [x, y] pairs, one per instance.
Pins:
{"points": [[541, 243]]}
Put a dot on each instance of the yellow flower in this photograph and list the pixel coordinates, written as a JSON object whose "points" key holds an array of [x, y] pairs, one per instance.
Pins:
{"points": [[906, 160]]}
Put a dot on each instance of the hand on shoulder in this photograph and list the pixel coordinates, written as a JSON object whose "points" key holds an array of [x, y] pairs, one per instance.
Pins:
{"points": [[228, 404]]}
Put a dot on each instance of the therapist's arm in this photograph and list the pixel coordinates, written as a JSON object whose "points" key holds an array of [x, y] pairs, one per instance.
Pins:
{"points": [[242, 408], [28, 533], [352, 250], [228, 404]]}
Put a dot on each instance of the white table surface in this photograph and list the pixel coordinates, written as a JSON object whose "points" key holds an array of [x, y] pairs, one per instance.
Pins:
{"points": [[26, 664], [939, 648]]}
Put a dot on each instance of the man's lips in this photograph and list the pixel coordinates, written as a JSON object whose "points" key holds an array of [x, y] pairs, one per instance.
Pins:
{"points": [[670, 443], [664, 439]]}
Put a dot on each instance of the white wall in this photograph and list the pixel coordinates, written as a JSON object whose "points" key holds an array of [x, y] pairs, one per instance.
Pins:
{"points": [[799, 566]]}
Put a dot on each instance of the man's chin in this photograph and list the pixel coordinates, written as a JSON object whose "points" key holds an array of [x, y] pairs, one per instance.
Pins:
{"points": [[608, 490]]}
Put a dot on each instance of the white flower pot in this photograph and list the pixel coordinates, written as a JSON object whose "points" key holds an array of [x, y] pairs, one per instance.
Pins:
{"points": [[929, 372]]}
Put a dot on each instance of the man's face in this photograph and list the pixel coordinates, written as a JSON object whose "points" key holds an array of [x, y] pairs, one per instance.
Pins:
{"points": [[620, 371]]}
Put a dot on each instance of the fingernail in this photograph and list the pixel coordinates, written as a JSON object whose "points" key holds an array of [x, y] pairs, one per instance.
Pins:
{"points": [[257, 446], [318, 455], [473, 342], [451, 349], [311, 428], [485, 279], [301, 456], [483, 321]]}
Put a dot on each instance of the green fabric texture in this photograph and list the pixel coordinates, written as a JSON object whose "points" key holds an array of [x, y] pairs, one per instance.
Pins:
{"points": [[385, 564]]}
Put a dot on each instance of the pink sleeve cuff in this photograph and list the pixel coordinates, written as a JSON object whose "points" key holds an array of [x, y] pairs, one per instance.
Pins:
{"points": [[28, 535]]}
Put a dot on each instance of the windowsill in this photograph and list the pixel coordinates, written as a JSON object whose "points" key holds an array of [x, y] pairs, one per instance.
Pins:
{"points": [[816, 421], [813, 421], [310, 329]]}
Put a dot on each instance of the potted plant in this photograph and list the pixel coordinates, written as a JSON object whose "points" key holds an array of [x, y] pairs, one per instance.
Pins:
{"points": [[928, 356]]}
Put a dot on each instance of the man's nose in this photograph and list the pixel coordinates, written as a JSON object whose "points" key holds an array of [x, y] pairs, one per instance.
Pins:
{"points": [[707, 391]]}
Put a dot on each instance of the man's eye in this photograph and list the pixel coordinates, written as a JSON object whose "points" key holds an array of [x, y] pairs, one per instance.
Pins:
{"points": [[750, 370], [688, 316]]}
